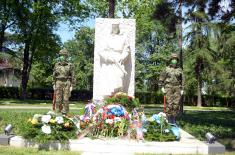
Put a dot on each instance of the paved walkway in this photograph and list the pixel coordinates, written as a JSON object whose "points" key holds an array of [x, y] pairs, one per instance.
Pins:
{"points": [[31, 107], [76, 108]]}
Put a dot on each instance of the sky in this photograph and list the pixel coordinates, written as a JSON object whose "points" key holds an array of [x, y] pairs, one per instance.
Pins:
{"points": [[66, 33]]}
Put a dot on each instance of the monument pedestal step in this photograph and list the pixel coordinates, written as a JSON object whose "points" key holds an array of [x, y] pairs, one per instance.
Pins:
{"points": [[187, 145]]}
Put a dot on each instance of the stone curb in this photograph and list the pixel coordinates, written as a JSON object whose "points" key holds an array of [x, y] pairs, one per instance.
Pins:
{"points": [[187, 145]]}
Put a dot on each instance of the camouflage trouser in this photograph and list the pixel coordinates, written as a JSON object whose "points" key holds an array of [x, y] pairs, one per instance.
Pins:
{"points": [[173, 98], [62, 96]]}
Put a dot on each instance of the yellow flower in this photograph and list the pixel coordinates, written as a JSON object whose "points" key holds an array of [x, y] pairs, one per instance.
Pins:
{"points": [[66, 124], [34, 121], [29, 120], [52, 121]]}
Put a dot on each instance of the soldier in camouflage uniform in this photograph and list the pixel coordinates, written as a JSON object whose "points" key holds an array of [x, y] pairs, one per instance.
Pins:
{"points": [[63, 81], [171, 82]]}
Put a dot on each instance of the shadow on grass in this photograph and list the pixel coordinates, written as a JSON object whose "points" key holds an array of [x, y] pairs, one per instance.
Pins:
{"points": [[217, 118], [9, 101], [220, 123]]}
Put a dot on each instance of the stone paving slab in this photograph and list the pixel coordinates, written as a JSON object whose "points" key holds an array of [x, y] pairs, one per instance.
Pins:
{"points": [[187, 145]]}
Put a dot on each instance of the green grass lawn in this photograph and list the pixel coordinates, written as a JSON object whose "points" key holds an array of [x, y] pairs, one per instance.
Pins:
{"points": [[5, 150]]}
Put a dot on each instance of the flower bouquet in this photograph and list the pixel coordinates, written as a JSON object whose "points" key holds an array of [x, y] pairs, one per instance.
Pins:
{"points": [[157, 128], [111, 120]]}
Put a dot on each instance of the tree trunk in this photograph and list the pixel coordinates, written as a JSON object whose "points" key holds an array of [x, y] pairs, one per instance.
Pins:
{"points": [[3, 27], [25, 77], [199, 82], [2, 37], [199, 93], [180, 51], [111, 8]]}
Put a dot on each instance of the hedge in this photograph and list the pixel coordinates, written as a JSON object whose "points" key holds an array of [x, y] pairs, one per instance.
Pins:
{"points": [[42, 94]]}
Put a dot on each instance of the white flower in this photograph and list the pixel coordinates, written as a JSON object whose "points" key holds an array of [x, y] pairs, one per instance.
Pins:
{"points": [[162, 114], [36, 116], [94, 118], [100, 110], [144, 130], [166, 131], [117, 119], [166, 120], [84, 118], [51, 113], [109, 121], [46, 129], [46, 118], [59, 120], [150, 119]]}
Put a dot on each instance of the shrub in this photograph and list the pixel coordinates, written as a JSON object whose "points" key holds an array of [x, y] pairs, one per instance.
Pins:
{"points": [[123, 99]]}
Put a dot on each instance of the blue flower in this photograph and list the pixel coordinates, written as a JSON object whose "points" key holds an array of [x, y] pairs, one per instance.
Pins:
{"points": [[156, 118], [117, 111]]}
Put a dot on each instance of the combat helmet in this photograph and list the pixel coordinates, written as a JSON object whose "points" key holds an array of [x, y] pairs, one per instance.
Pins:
{"points": [[174, 59], [64, 52]]}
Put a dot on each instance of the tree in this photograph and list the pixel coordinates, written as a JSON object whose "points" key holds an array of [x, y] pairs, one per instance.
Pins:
{"points": [[82, 52], [36, 21], [223, 41], [201, 56], [7, 19]]}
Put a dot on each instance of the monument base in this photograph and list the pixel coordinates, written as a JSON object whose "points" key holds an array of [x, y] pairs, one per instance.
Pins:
{"points": [[187, 145], [5, 139]]}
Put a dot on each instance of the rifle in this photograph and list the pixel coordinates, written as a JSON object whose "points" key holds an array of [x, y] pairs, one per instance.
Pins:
{"points": [[54, 101], [120, 67], [164, 100]]}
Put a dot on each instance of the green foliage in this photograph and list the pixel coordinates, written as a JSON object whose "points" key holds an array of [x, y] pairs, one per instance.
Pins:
{"points": [[123, 99], [156, 132], [81, 50], [153, 45], [41, 74]]}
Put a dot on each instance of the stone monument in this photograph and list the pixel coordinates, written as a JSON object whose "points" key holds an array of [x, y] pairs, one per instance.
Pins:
{"points": [[114, 57]]}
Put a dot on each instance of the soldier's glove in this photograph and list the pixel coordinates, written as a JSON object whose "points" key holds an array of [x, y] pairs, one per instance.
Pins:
{"points": [[181, 92], [71, 88], [53, 87], [163, 90]]}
